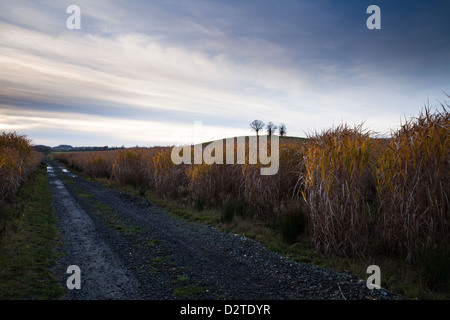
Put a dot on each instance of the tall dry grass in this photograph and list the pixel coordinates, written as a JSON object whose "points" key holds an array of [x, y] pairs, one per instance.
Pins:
{"points": [[128, 168], [18, 161], [339, 189], [200, 185], [413, 182], [97, 164], [164, 178]]}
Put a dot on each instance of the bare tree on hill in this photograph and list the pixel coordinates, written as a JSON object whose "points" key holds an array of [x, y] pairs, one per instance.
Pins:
{"points": [[282, 129], [257, 125], [271, 127]]}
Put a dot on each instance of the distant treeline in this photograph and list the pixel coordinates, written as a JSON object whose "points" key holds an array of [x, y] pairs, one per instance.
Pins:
{"points": [[62, 147]]}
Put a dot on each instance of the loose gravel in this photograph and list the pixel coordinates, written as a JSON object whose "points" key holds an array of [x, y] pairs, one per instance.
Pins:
{"points": [[129, 249]]}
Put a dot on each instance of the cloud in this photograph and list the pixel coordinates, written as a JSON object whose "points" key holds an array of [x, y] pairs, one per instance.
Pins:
{"points": [[113, 131], [145, 69], [132, 70]]}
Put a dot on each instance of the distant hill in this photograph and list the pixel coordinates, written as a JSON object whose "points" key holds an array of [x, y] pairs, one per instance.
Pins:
{"points": [[42, 148], [68, 148], [63, 147], [47, 149]]}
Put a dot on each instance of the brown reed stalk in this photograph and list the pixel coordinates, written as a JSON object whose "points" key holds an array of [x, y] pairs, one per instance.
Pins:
{"points": [[339, 184], [414, 184], [18, 161]]}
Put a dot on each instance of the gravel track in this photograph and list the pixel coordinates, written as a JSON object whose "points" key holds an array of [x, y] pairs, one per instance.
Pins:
{"points": [[129, 249]]}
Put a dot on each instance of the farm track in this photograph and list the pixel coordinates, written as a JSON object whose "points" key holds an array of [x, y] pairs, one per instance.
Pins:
{"points": [[129, 249]]}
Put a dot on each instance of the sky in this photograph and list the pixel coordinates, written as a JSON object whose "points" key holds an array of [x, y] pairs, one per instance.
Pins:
{"points": [[142, 72]]}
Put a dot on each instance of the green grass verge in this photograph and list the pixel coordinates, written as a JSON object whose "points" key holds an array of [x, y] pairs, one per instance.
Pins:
{"points": [[28, 244], [188, 292]]}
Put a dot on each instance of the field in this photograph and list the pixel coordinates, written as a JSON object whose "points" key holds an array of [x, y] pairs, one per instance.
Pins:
{"points": [[345, 192], [350, 193]]}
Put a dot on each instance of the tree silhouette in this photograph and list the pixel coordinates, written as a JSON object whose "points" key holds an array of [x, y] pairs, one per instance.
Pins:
{"points": [[257, 125], [282, 129], [271, 127]]}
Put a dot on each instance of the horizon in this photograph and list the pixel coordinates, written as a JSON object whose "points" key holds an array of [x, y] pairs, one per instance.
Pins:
{"points": [[143, 72]]}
